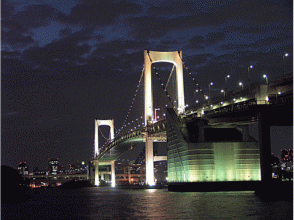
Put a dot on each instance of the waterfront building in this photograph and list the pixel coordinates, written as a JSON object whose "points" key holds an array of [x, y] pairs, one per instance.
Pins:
{"points": [[53, 166], [23, 168]]}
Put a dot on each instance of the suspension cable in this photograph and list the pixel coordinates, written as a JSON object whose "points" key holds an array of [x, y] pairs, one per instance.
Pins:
{"points": [[164, 88], [171, 72], [131, 107], [200, 90], [102, 134]]}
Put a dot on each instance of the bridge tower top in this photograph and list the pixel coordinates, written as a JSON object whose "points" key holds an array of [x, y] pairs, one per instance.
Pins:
{"points": [[174, 57], [98, 122]]}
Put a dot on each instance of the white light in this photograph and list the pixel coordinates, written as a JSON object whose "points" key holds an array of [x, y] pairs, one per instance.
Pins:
{"points": [[286, 54], [196, 90], [240, 83], [197, 101], [222, 90], [264, 76], [241, 98], [234, 99], [228, 76], [280, 93], [251, 66], [211, 106], [222, 103], [206, 97], [211, 83]]}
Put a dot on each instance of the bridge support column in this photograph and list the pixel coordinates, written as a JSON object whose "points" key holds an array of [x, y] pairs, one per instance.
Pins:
{"points": [[96, 173], [113, 173], [264, 146], [149, 162]]}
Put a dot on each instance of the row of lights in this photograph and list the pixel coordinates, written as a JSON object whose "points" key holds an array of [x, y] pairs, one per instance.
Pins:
{"points": [[240, 83]]}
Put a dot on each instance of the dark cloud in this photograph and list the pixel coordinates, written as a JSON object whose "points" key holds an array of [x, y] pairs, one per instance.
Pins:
{"points": [[34, 16], [174, 7], [69, 49], [238, 15], [101, 13], [198, 59], [215, 37], [7, 8], [17, 26]]}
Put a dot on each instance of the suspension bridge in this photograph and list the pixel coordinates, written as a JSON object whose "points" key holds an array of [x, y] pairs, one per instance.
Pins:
{"points": [[208, 141]]}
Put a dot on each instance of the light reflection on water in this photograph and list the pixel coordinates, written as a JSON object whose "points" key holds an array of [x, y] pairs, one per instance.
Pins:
{"points": [[111, 203]]}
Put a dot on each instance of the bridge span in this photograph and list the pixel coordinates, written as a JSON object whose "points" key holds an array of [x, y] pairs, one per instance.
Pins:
{"points": [[208, 142]]}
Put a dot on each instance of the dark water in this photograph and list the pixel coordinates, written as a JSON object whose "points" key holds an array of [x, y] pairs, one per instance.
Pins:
{"points": [[108, 203]]}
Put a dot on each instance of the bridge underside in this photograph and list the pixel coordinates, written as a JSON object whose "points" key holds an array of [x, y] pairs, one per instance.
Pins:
{"points": [[119, 150]]}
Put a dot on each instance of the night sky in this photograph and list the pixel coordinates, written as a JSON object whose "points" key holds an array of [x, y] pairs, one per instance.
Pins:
{"points": [[66, 62]]}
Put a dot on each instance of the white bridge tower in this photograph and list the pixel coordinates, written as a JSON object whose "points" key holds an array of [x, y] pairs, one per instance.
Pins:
{"points": [[149, 58]]}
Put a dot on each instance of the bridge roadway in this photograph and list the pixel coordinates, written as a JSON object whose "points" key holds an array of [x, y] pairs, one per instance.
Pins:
{"points": [[267, 105], [120, 145], [237, 108]]}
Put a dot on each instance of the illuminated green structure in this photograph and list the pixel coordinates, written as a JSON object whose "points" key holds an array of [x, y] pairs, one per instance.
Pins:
{"points": [[197, 153]]}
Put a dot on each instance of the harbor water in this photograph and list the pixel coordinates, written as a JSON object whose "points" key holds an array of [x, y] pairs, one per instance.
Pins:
{"points": [[114, 203]]}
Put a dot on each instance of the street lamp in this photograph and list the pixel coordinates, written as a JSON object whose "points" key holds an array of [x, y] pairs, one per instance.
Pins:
{"points": [[210, 84], [226, 78], [241, 84], [285, 55], [266, 78], [223, 91], [249, 67]]}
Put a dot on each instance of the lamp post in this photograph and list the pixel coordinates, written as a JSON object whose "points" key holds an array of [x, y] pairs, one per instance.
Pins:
{"points": [[226, 78], [266, 78], [210, 84], [223, 91], [284, 56], [249, 67], [241, 84]]}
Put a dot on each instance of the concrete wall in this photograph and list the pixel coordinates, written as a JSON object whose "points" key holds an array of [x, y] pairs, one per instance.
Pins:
{"points": [[213, 162]]}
